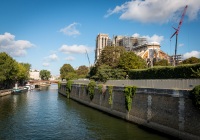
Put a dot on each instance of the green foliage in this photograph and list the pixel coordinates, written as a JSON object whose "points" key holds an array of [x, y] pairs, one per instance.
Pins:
{"points": [[105, 73], [196, 73], [45, 74], [129, 60], [110, 56], [82, 87], [69, 88], [8, 67], [66, 70], [110, 91], [162, 62], [129, 94], [170, 72], [8, 71], [71, 76], [195, 96], [82, 71], [100, 88], [191, 60], [91, 88], [59, 84]]}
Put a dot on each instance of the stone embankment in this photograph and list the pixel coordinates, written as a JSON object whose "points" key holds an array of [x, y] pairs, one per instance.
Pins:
{"points": [[166, 110], [5, 92]]}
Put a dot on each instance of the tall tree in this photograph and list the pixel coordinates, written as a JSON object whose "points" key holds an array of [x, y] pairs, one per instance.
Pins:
{"points": [[65, 69], [23, 71], [8, 70], [110, 56], [82, 71], [162, 62], [129, 60], [45, 74], [191, 60]]}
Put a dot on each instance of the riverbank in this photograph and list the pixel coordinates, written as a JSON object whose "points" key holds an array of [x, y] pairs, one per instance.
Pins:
{"points": [[5, 92], [169, 111]]}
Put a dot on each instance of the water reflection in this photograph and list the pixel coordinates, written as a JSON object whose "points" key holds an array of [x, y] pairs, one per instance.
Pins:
{"points": [[44, 114]]}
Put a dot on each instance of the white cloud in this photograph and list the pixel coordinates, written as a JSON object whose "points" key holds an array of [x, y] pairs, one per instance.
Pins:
{"points": [[135, 35], [70, 58], [74, 49], [53, 57], [15, 48], [45, 64], [191, 54], [50, 58], [155, 11], [70, 30], [155, 38]]}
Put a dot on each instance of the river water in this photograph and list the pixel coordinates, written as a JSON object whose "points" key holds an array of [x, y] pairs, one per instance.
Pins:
{"points": [[45, 114]]}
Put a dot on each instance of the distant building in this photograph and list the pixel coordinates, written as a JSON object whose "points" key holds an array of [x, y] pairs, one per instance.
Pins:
{"points": [[148, 51], [34, 74], [101, 41]]}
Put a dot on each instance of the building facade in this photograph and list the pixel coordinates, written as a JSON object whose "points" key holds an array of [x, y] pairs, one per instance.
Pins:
{"points": [[34, 74], [141, 47]]}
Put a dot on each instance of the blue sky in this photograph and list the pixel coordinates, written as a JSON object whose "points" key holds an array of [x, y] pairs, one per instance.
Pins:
{"points": [[50, 33]]}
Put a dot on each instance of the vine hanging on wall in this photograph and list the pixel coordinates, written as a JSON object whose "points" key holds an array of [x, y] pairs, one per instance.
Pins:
{"points": [[100, 88], [68, 88], [195, 96], [110, 90], [59, 84], [129, 94], [90, 89]]}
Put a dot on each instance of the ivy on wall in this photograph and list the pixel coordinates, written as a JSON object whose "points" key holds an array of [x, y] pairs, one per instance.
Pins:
{"points": [[82, 88], [68, 88], [59, 84], [90, 89], [110, 91], [195, 96], [100, 88], [129, 94]]}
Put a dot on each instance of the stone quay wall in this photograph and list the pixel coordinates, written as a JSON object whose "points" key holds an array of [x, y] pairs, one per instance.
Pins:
{"points": [[169, 111], [4, 92]]}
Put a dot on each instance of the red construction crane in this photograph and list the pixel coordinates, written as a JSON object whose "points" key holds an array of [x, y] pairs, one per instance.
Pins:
{"points": [[177, 31]]}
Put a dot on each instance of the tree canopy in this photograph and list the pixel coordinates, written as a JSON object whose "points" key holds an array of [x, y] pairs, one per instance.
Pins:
{"points": [[65, 70], [191, 60], [129, 60], [45, 74], [114, 62], [12, 71], [82, 71], [162, 62], [110, 56], [8, 67]]}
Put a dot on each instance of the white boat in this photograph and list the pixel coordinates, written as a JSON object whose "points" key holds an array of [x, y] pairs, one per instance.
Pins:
{"points": [[29, 86]]}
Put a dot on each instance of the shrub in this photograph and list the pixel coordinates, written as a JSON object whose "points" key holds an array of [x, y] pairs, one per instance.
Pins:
{"points": [[129, 94], [90, 89], [68, 88], [110, 100], [195, 96], [169, 72]]}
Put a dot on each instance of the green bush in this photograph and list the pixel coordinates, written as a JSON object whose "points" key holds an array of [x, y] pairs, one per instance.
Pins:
{"points": [[110, 100], [100, 88], [91, 88], [129, 94], [68, 88], [195, 96], [168, 72], [59, 84]]}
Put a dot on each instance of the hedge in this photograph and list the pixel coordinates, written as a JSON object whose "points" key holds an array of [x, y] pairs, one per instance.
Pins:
{"points": [[167, 72]]}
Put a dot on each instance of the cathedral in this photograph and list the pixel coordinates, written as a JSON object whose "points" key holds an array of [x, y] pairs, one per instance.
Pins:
{"points": [[150, 51]]}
